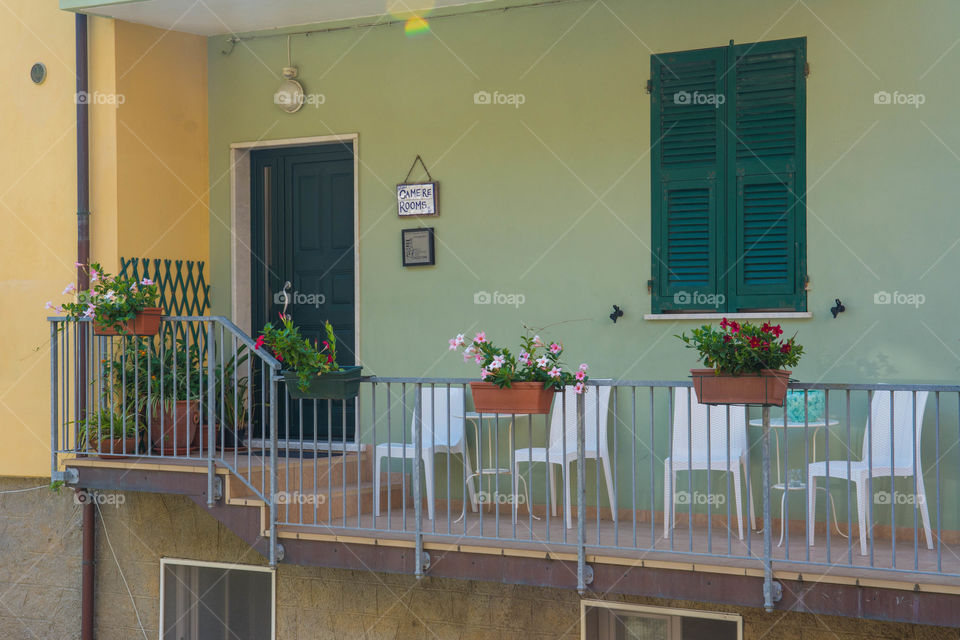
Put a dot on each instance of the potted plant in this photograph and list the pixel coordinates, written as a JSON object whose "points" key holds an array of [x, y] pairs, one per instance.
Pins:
{"points": [[109, 434], [747, 363], [311, 370], [167, 383], [117, 305], [525, 383]]}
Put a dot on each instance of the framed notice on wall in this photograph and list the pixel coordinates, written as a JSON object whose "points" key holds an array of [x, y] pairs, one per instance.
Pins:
{"points": [[418, 247], [417, 199]]}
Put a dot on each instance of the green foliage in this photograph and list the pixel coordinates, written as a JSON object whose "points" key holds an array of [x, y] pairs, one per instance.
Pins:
{"points": [[143, 372], [107, 424], [737, 348], [111, 300], [536, 362], [296, 353]]}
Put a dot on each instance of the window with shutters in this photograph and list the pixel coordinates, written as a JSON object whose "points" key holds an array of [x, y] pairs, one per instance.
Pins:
{"points": [[728, 137]]}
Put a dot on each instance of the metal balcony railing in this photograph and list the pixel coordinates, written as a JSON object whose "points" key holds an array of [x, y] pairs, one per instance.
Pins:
{"points": [[859, 479]]}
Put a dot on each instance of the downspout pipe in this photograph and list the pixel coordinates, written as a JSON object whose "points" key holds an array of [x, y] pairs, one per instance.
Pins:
{"points": [[83, 283]]}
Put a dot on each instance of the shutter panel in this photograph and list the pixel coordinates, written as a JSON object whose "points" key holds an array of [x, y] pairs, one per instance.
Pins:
{"points": [[688, 152], [766, 234]]}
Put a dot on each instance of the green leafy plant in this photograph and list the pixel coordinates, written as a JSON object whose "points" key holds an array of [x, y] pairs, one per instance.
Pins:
{"points": [[106, 424], [145, 374], [537, 361], [297, 353], [737, 348], [111, 300]]}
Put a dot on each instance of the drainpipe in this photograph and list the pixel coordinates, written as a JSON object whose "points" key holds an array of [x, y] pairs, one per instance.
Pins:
{"points": [[83, 282]]}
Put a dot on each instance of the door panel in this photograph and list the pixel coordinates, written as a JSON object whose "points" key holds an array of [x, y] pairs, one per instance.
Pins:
{"points": [[305, 213]]}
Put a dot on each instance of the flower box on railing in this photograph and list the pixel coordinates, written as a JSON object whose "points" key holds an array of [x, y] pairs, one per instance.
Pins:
{"points": [[342, 384], [144, 323], [768, 387], [520, 397]]}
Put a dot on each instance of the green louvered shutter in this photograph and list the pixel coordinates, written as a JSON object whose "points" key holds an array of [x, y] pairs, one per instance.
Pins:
{"points": [[688, 147], [766, 231]]}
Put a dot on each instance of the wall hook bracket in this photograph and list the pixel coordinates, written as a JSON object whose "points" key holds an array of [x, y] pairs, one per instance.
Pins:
{"points": [[617, 313], [838, 308]]}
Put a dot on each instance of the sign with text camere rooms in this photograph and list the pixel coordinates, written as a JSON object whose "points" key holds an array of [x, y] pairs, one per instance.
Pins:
{"points": [[417, 199]]}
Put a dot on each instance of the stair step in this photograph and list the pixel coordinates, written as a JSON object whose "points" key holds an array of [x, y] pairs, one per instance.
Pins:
{"points": [[303, 476], [321, 508]]}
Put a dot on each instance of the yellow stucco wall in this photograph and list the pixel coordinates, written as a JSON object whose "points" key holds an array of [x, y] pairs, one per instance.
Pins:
{"points": [[148, 183], [163, 177]]}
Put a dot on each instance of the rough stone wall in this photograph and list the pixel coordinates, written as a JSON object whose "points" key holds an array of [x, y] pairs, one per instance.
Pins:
{"points": [[39, 561], [40, 581]]}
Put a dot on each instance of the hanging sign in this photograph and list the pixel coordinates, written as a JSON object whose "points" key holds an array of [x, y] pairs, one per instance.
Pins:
{"points": [[417, 198]]}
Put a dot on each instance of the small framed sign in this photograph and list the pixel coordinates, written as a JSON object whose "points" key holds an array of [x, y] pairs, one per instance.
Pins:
{"points": [[417, 199], [418, 247]]}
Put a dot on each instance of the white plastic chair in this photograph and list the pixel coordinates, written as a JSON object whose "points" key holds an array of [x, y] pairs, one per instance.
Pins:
{"points": [[688, 451], [883, 454], [437, 437], [565, 430]]}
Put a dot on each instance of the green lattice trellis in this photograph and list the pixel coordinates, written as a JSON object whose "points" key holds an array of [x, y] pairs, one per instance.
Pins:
{"points": [[183, 288]]}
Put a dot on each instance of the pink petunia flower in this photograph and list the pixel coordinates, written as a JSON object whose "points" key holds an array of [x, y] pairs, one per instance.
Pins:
{"points": [[49, 305], [94, 275], [146, 282], [578, 388], [542, 362], [583, 366], [484, 374], [580, 375], [554, 373], [480, 338], [70, 289], [555, 348]]}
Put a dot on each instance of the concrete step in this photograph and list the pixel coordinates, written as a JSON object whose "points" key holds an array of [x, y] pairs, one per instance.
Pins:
{"points": [[310, 475]]}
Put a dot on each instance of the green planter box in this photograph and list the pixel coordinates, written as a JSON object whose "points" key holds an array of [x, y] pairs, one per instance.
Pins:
{"points": [[334, 385]]}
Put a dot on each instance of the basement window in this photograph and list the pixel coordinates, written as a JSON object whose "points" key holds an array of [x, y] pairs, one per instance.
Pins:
{"points": [[206, 600], [601, 620]]}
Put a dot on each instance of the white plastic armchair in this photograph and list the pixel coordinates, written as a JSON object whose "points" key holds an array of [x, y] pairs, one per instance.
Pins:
{"points": [[697, 447], [443, 432], [562, 450], [890, 448]]}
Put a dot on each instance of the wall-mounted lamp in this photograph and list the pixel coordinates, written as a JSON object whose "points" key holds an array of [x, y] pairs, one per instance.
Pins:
{"points": [[617, 313], [289, 96], [838, 308]]}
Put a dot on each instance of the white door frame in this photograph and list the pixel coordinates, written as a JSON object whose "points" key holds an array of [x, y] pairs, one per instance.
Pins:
{"points": [[240, 226]]}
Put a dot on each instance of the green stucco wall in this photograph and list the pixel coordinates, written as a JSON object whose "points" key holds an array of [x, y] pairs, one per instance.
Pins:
{"points": [[551, 199]]}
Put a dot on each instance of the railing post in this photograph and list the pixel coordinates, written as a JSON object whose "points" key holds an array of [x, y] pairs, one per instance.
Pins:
{"points": [[53, 400], [767, 524], [273, 467], [211, 436], [581, 499], [417, 461]]}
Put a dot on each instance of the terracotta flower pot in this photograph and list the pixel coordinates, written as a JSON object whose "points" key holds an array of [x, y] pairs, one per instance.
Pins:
{"points": [[520, 397], [145, 323], [122, 447], [172, 431], [768, 387]]}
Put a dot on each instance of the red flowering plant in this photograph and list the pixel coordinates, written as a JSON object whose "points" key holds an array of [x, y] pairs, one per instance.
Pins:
{"points": [[737, 348], [297, 353], [537, 361]]}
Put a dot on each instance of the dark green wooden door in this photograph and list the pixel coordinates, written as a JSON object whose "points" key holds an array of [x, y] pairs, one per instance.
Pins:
{"points": [[302, 217]]}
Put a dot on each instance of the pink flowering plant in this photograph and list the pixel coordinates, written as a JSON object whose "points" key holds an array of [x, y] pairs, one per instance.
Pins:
{"points": [[111, 300], [297, 353], [537, 361], [737, 348]]}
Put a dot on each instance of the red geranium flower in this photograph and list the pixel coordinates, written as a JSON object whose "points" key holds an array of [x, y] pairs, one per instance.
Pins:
{"points": [[785, 348], [259, 343], [755, 342]]}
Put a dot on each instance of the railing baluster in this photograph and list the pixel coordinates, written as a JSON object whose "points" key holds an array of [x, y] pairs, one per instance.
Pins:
{"points": [[211, 424], [417, 462]]}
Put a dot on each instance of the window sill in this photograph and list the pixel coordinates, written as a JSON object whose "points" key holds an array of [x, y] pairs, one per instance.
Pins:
{"points": [[772, 315]]}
